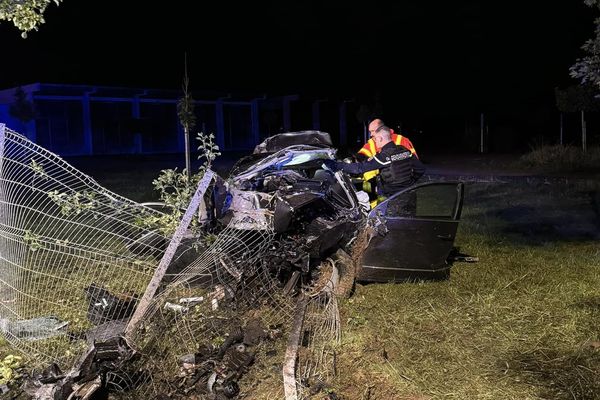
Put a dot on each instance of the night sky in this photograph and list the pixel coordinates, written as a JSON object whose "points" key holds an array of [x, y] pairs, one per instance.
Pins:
{"points": [[420, 57]]}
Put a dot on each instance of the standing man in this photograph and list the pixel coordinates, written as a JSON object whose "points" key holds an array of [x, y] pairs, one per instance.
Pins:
{"points": [[399, 167]]}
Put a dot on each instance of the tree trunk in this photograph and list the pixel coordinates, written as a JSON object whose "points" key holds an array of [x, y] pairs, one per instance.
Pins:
{"points": [[188, 166]]}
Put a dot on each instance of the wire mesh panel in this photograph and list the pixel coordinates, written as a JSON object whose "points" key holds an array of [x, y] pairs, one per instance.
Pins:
{"points": [[73, 255], [87, 275], [217, 311], [75, 259]]}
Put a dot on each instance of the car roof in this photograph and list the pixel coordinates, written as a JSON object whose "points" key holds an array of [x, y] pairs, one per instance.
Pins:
{"points": [[283, 140]]}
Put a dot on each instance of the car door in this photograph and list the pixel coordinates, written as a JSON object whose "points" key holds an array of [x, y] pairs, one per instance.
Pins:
{"points": [[421, 224]]}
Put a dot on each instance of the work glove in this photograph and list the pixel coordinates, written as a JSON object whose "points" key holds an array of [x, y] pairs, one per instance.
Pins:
{"points": [[331, 165]]}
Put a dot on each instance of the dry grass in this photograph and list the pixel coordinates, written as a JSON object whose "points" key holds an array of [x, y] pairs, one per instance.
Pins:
{"points": [[559, 158]]}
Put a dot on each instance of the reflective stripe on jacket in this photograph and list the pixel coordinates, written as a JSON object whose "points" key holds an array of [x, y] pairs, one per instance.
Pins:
{"points": [[370, 149], [399, 168]]}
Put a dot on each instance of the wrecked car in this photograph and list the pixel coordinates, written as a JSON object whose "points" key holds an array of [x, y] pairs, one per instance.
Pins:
{"points": [[85, 283], [316, 211]]}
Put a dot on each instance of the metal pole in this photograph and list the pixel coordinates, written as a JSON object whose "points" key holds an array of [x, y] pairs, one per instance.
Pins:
{"points": [[160, 271], [291, 352], [583, 132], [561, 129], [481, 134], [2, 126], [2, 139]]}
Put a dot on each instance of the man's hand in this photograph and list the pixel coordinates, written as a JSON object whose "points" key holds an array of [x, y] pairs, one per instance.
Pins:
{"points": [[331, 165], [361, 157]]}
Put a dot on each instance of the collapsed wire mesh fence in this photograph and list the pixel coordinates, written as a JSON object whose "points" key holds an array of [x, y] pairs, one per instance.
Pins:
{"points": [[65, 243], [220, 299], [76, 257]]}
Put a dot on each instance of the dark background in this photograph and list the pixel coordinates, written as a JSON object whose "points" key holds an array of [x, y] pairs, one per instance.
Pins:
{"points": [[433, 68]]}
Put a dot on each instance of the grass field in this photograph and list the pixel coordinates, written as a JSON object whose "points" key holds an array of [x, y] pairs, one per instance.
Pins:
{"points": [[523, 323]]}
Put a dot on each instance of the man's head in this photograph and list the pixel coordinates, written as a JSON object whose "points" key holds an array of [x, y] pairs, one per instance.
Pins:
{"points": [[382, 136], [374, 125]]}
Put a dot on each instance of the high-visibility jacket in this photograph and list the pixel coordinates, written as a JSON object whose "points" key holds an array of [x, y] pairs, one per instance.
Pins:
{"points": [[370, 149]]}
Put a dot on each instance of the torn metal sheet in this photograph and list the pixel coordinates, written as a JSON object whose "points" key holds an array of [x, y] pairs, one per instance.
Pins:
{"points": [[284, 140]]}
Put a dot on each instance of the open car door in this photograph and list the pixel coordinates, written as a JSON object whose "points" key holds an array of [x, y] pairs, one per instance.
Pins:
{"points": [[421, 224]]}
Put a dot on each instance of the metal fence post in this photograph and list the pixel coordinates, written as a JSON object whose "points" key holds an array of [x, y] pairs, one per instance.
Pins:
{"points": [[160, 271]]}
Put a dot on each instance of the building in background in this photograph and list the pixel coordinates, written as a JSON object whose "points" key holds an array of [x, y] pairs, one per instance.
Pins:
{"points": [[93, 120]]}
